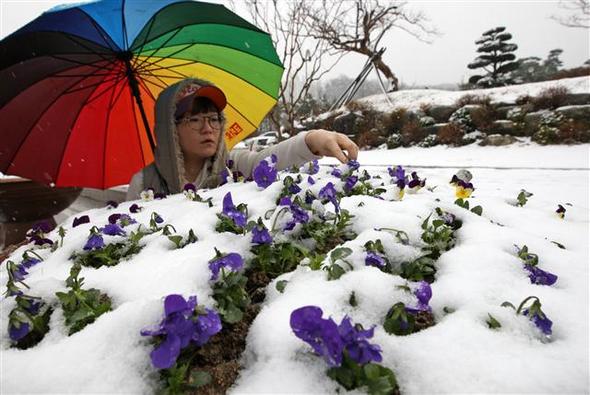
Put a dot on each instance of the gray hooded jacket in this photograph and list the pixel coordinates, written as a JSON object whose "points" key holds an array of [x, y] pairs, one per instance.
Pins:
{"points": [[166, 174]]}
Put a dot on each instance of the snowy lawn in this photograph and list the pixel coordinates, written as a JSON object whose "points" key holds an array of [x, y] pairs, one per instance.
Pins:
{"points": [[459, 353]]}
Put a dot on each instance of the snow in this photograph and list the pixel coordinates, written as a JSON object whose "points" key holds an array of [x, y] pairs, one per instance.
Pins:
{"points": [[413, 99], [458, 354]]}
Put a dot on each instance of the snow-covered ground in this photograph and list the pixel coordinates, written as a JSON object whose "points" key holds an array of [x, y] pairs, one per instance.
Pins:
{"points": [[414, 98], [458, 354]]}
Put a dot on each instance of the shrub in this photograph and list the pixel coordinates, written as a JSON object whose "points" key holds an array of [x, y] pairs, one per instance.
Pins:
{"points": [[358, 106], [462, 118], [451, 134], [570, 73], [394, 141], [550, 98], [464, 100], [548, 132], [395, 119], [425, 108], [369, 138], [572, 131], [412, 133], [428, 141], [484, 116]]}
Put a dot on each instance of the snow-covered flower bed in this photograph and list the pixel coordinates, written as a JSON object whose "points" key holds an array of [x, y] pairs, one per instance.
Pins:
{"points": [[374, 278]]}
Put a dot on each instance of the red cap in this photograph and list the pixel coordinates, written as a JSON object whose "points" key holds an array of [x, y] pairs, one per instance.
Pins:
{"points": [[185, 103]]}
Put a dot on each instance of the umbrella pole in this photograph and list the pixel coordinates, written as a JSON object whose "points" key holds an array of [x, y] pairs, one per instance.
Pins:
{"points": [[135, 91]]}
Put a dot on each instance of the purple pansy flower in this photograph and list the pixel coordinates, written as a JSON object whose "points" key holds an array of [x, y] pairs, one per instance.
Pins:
{"points": [[135, 208], [80, 220], [336, 172], [310, 180], [18, 332], [265, 173], [311, 167], [42, 226], [540, 277], [423, 293], [18, 272], [206, 326], [180, 326], [560, 211], [350, 183], [399, 176], [541, 321], [353, 164], [113, 230], [321, 334], [232, 212], [95, 242], [328, 192], [112, 204], [189, 187], [416, 183], [232, 261], [372, 259], [260, 234], [294, 188], [299, 216], [285, 201], [30, 262], [355, 342]]}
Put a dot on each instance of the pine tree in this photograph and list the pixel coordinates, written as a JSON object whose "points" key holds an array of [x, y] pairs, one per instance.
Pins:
{"points": [[552, 64], [497, 59]]}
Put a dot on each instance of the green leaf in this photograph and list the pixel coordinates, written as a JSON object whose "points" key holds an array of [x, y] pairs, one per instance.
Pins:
{"points": [[199, 378], [176, 240], [335, 271], [558, 244], [340, 253], [281, 285], [492, 322], [477, 210], [352, 299]]}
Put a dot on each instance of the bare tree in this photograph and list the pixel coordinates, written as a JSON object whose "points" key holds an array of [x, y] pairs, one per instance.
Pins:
{"points": [[360, 26], [579, 13], [303, 58]]}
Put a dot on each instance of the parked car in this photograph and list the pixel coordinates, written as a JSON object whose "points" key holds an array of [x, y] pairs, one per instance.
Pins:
{"points": [[260, 142]]}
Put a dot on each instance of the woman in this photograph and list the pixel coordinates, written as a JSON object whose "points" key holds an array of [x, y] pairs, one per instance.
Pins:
{"points": [[191, 148]]}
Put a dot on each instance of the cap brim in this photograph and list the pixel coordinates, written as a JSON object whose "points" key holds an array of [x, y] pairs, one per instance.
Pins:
{"points": [[212, 93]]}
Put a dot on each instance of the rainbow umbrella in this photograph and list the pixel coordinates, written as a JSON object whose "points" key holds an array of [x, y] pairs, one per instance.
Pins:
{"points": [[79, 84]]}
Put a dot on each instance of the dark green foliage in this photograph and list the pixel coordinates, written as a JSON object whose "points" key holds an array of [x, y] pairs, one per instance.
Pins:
{"points": [[230, 294], [276, 259], [81, 307], [377, 379], [496, 59]]}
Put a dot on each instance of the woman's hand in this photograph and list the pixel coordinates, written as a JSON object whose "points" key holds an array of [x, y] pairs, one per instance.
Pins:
{"points": [[325, 143]]}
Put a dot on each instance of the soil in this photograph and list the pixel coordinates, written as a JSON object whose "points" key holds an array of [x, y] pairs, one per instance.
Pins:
{"points": [[220, 357]]}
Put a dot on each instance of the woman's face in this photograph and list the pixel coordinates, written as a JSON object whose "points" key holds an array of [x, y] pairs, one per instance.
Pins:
{"points": [[199, 134]]}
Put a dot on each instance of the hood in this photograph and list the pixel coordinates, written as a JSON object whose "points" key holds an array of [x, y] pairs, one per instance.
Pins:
{"points": [[169, 159]]}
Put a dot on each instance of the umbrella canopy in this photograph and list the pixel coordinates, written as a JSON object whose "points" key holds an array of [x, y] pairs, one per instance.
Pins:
{"points": [[79, 84]]}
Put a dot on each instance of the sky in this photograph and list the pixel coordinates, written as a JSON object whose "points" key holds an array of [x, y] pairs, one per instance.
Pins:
{"points": [[444, 60]]}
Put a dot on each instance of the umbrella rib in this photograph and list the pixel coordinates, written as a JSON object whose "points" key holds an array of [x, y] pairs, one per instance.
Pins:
{"points": [[86, 101], [160, 59], [114, 76], [163, 86], [159, 48], [93, 64], [104, 151], [102, 55], [169, 68], [143, 84], [114, 81], [147, 34], [36, 120]]}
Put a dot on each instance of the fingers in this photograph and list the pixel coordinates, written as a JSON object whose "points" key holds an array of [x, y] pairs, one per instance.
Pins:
{"points": [[334, 150], [347, 144]]}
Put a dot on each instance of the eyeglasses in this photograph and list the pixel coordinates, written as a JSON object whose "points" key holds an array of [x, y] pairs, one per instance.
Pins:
{"points": [[197, 122]]}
